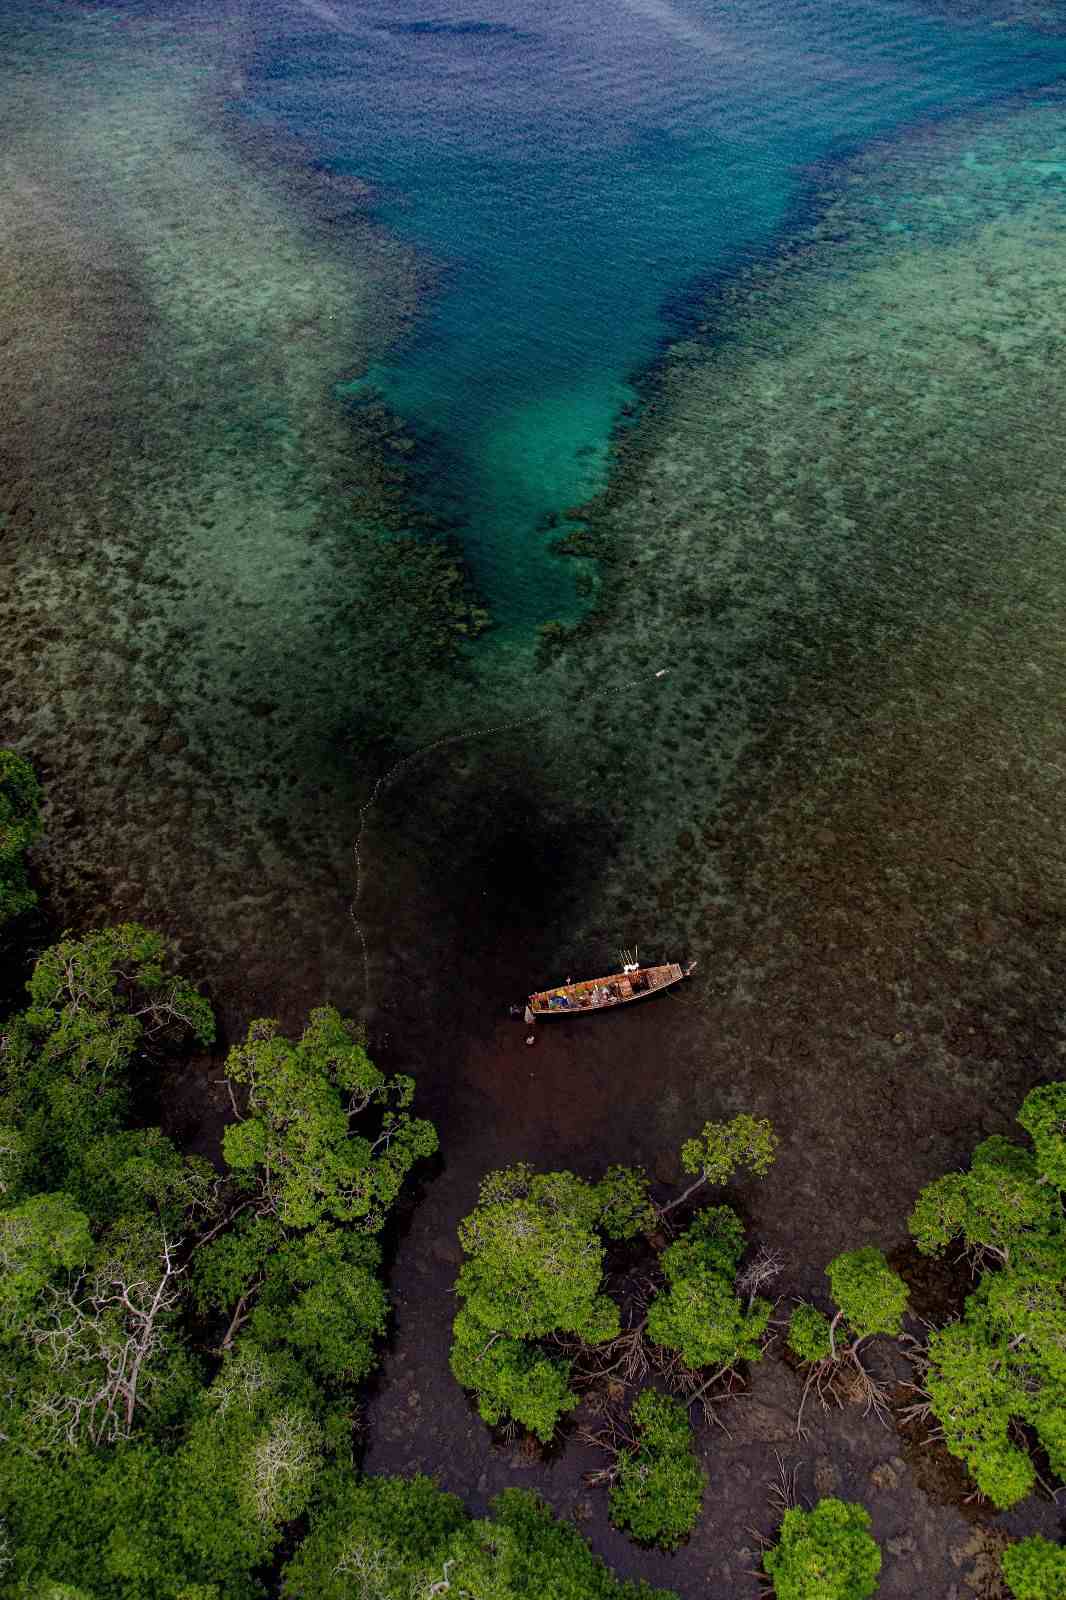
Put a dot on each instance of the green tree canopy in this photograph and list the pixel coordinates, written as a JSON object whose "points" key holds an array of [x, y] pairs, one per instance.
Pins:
{"points": [[102, 1008], [659, 1487], [39, 1239], [322, 1154], [1004, 1361], [394, 1539], [808, 1334], [998, 1208], [536, 1257], [725, 1148], [95, 1356], [191, 1516], [249, 1462], [96, 1217], [322, 1299], [1043, 1116], [699, 1314], [326, 1135], [870, 1299], [824, 1554], [134, 1458], [1009, 1201], [535, 1267], [511, 1378], [1035, 1569]]}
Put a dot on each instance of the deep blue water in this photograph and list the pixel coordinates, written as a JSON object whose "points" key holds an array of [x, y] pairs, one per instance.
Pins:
{"points": [[575, 168]]}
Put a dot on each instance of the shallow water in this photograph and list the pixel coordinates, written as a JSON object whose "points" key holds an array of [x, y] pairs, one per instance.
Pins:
{"points": [[217, 643], [581, 173]]}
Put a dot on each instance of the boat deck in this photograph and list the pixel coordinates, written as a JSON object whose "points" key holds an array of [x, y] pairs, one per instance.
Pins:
{"points": [[598, 994]]}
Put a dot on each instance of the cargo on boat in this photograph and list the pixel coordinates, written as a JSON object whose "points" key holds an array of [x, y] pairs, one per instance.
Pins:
{"points": [[600, 994]]}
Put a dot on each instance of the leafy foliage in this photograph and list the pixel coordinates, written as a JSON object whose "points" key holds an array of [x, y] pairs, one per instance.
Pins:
{"points": [[90, 1236], [510, 1378], [248, 1464], [95, 1353], [713, 1242], [659, 1487], [699, 1314], [20, 826], [396, 1539], [316, 1295], [323, 1301], [808, 1334], [100, 1518], [392, 1533], [535, 1243], [824, 1554], [1035, 1569], [298, 1137], [142, 1520], [536, 1258], [123, 1461], [14, 1159], [624, 1209], [137, 1169], [321, 1157], [1004, 1362], [103, 996], [67, 1591], [102, 1008], [40, 1238], [1005, 1205], [872, 1298], [725, 1147], [997, 1208], [1043, 1116]]}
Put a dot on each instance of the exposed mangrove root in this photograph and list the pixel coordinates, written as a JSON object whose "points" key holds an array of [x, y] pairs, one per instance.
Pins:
{"points": [[917, 1416], [783, 1495], [693, 1390], [841, 1381], [616, 1439], [625, 1359], [608, 1371], [759, 1273], [782, 1490]]}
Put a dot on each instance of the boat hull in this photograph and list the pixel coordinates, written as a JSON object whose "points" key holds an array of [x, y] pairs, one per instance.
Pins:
{"points": [[606, 994]]}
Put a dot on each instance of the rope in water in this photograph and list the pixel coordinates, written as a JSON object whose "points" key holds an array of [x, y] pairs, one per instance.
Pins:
{"points": [[389, 777]]}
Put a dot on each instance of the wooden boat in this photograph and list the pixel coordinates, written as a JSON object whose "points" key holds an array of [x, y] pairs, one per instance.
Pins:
{"points": [[600, 994]]}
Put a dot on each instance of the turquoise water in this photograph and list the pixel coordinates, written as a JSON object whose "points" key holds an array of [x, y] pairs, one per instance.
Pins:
{"points": [[260, 653], [580, 173]]}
